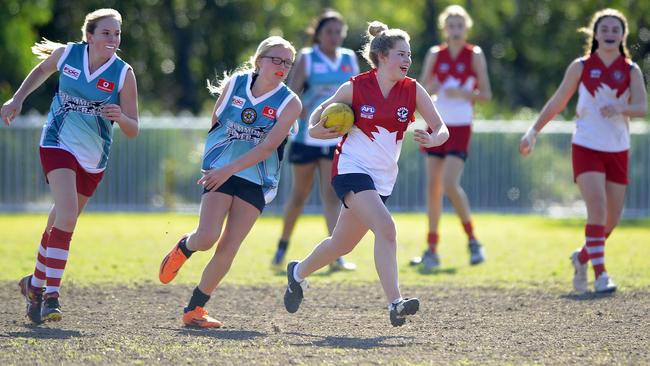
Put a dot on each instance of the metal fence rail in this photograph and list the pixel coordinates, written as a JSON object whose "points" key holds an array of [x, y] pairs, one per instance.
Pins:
{"points": [[158, 170]]}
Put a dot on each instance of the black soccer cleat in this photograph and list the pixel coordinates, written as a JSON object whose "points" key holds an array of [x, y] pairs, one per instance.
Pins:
{"points": [[33, 298], [51, 310], [294, 293], [399, 311]]}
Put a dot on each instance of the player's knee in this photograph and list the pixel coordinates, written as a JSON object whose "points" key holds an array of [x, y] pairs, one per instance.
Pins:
{"points": [[386, 230], [452, 188], [227, 250]]}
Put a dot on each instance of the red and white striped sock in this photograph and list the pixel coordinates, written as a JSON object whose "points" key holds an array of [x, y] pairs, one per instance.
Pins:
{"points": [[595, 243], [432, 241], [38, 279], [583, 256], [57, 257], [469, 230]]}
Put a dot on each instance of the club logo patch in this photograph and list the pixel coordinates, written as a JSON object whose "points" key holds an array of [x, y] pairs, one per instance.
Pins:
{"points": [[617, 76], [402, 114], [71, 72], [595, 73], [269, 112], [367, 111], [105, 85], [237, 102], [248, 115], [346, 68], [444, 67], [460, 68]]}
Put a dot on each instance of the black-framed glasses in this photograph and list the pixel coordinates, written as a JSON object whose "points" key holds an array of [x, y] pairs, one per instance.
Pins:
{"points": [[279, 61]]}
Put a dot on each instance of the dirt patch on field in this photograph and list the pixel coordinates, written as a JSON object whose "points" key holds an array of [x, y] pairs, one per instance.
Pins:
{"points": [[336, 325]]}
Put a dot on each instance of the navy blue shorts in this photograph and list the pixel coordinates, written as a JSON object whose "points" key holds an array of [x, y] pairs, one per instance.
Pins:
{"points": [[305, 154], [246, 190], [353, 182]]}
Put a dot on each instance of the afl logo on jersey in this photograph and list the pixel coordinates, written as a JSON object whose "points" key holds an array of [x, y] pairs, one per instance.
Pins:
{"points": [[444, 67], [595, 73], [71, 72], [402, 114], [105, 85], [248, 115], [367, 111], [460, 68]]}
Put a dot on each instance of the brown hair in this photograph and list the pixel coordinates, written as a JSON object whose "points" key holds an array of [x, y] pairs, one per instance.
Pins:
{"points": [[592, 44], [251, 64], [319, 22], [381, 40], [44, 49]]}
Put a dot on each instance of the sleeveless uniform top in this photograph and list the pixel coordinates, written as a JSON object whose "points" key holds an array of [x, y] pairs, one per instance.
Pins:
{"points": [[74, 122], [599, 86], [243, 122], [373, 144], [455, 73], [323, 78]]}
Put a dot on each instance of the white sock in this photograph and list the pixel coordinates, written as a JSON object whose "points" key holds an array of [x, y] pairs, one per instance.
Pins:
{"points": [[295, 274], [395, 302]]}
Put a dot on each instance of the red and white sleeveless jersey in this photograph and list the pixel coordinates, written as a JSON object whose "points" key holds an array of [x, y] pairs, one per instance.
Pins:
{"points": [[601, 85], [455, 73], [373, 144]]}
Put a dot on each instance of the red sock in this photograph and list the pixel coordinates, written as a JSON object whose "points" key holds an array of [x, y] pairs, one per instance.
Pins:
{"points": [[57, 257], [467, 226], [38, 279], [595, 243], [583, 256], [432, 240]]}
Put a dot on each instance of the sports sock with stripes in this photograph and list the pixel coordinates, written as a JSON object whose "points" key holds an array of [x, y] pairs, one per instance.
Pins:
{"points": [[595, 243], [58, 246]]}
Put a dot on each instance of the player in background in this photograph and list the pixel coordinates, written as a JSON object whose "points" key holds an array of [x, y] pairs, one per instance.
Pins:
{"points": [[241, 167], [610, 91], [364, 169], [96, 89], [319, 72], [456, 73]]}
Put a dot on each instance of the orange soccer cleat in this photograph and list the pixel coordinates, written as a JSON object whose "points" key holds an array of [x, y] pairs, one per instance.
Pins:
{"points": [[172, 263], [199, 318]]}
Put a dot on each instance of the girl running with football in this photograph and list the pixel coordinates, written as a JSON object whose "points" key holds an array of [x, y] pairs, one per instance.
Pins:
{"points": [[456, 72], [96, 89], [319, 72], [241, 167], [610, 91], [364, 169]]}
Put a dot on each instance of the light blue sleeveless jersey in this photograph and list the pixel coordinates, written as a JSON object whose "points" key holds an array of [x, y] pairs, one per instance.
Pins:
{"points": [[243, 122], [74, 122], [323, 78]]}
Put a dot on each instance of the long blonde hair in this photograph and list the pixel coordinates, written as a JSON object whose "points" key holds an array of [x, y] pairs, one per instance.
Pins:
{"points": [[454, 11], [251, 64], [45, 47], [381, 40], [592, 44]]}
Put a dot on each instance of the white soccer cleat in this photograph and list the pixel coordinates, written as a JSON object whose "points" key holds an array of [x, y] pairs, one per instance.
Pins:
{"points": [[604, 284], [579, 273]]}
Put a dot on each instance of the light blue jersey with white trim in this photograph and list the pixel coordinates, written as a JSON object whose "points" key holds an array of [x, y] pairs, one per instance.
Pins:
{"points": [[243, 121], [74, 122], [323, 77]]}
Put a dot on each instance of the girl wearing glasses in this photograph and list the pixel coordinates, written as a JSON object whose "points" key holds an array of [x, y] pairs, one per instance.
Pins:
{"points": [[241, 167], [320, 70]]}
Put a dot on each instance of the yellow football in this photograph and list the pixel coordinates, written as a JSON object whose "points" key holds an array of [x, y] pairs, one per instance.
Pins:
{"points": [[339, 115]]}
